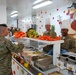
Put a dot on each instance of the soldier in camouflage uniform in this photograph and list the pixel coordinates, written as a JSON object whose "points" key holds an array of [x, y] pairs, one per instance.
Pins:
{"points": [[6, 48], [69, 41], [50, 33]]}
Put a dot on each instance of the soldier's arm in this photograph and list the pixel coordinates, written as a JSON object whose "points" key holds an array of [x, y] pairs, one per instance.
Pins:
{"points": [[13, 47], [72, 46]]}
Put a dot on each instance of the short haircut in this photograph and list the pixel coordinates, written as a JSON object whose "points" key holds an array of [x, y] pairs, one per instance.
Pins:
{"points": [[3, 25]]}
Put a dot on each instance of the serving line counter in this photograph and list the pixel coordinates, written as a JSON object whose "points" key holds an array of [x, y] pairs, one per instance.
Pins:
{"points": [[56, 46], [19, 69]]}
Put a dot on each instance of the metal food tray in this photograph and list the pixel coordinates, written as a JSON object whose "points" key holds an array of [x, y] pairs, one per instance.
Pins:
{"points": [[44, 63], [64, 56], [72, 59]]}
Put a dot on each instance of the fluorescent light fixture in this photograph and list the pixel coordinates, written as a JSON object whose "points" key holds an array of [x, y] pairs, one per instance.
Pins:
{"points": [[47, 2], [14, 15], [23, 20], [37, 1], [14, 12]]}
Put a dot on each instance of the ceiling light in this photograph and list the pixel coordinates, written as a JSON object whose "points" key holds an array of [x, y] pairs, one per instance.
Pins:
{"points": [[23, 20], [37, 1], [14, 12], [14, 15], [44, 3]]}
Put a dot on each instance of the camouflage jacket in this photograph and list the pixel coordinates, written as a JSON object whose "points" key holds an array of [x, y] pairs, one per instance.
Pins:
{"points": [[6, 47], [69, 44], [50, 33]]}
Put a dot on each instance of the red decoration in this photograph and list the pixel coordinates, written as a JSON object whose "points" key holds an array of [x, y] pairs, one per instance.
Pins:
{"points": [[57, 9], [64, 11], [40, 21], [53, 18], [41, 12], [14, 72], [57, 20], [71, 16], [17, 67], [68, 12], [60, 22], [45, 12], [73, 25]]}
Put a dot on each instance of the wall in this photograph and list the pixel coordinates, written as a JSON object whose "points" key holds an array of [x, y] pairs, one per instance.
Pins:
{"points": [[3, 14], [53, 14], [25, 23]]}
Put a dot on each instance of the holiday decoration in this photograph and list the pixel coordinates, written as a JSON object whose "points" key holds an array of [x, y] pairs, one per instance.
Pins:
{"points": [[41, 12], [17, 67], [59, 19], [45, 12], [71, 10], [13, 62], [57, 9], [22, 72], [53, 18], [14, 72], [73, 25], [40, 21], [64, 11]]}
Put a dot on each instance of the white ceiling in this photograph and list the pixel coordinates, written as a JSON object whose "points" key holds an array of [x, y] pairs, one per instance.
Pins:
{"points": [[2, 2], [25, 6]]}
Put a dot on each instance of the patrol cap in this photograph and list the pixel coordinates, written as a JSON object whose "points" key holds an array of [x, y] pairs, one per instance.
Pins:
{"points": [[47, 22], [3, 25], [65, 24]]}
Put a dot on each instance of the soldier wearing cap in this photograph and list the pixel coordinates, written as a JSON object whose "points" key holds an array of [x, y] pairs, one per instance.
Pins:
{"points": [[69, 42], [6, 48], [50, 33]]}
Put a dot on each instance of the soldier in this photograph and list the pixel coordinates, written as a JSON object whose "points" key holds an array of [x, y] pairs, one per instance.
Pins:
{"points": [[69, 42], [50, 33], [6, 48]]}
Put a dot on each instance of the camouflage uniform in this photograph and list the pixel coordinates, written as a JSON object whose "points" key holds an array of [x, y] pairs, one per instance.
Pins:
{"points": [[69, 44], [6, 47], [51, 34]]}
